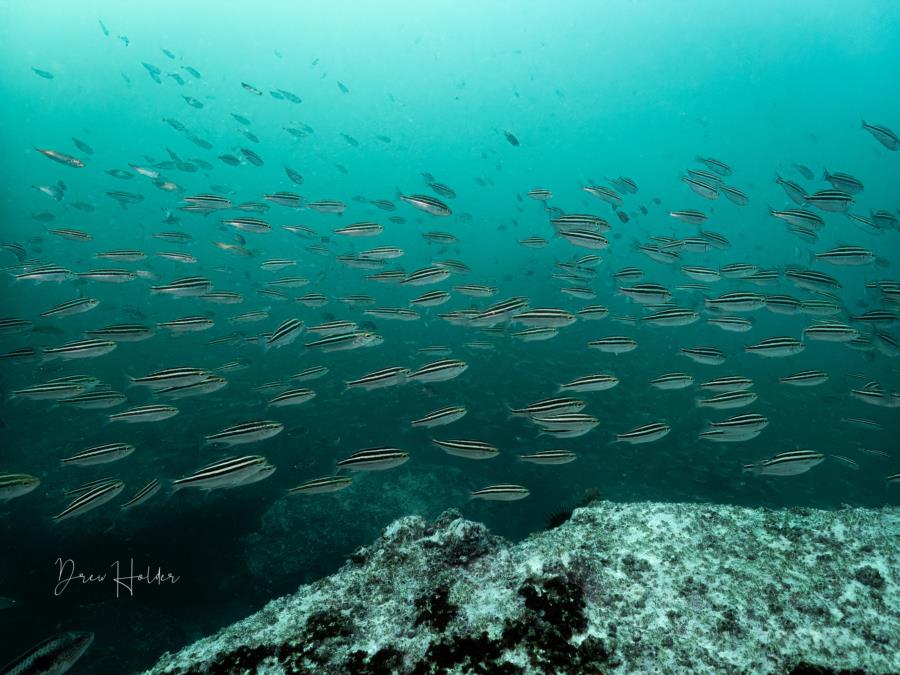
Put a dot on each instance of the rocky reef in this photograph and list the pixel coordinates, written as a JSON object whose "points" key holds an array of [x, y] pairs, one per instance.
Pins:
{"points": [[624, 588]]}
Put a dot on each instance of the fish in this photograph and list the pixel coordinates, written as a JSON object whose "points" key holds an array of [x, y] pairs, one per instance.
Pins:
{"points": [[511, 138], [101, 454], [322, 485], [883, 135], [776, 347], [440, 417], [142, 495], [227, 473], [430, 205], [246, 432], [292, 397], [467, 449], [647, 433], [14, 485], [58, 653], [144, 413], [791, 463], [374, 459], [62, 158], [90, 497], [439, 371], [504, 492]]}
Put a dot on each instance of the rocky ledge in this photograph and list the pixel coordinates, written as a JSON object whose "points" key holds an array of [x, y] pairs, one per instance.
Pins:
{"points": [[622, 588]]}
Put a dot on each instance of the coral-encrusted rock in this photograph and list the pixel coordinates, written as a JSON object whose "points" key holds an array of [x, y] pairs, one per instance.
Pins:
{"points": [[617, 588]]}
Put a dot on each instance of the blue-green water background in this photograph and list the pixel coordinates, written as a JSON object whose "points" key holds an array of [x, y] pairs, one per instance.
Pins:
{"points": [[591, 90]]}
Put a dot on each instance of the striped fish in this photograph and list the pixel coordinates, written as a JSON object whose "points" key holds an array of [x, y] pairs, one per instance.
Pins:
{"points": [[467, 449], [672, 381], [108, 276], [504, 492], [550, 406], [50, 391], [799, 218], [14, 485], [328, 206], [285, 334], [585, 239], [428, 275], [322, 485], [811, 280], [787, 463], [211, 384], [374, 459], [430, 205], [671, 317], [80, 349], [311, 373], [345, 341], [883, 135], [247, 224], [710, 356], [777, 347], [539, 194], [440, 417], [312, 300], [144, 413], [567, 421], [364, 229], [185, 287], [101, 454], [728, 400], [701, 188], [393, 313], [246, 432], [732, 324], [99, 494], [439, 371], [782, 304], [830, 331], [647, 294], [123, 332], [704, 274], [835, 201], [805, 378], [598, 382], [223, 298], [431, 299], [387, 377], [188, 324], [728, 383], [593, 312], [579, 221], [614, 345], [171, 377], [388, 277], [549, 457], [292, 397], [847, 255], [227, 473], [53, 656], [95, 400], [644, 434], [737, 302], [605, 194], [143, 495], [556, 318], [71, 307], [536, 334]]}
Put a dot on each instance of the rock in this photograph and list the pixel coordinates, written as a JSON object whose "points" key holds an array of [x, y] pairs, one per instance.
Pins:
{"points": [[616, 588]]}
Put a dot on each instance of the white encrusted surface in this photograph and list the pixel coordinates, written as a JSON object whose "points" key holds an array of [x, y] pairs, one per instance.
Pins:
{"points": [[673, 587]]}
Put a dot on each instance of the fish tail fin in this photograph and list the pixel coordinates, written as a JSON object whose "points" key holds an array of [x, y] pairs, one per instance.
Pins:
{"points": [[751, 468], [825, 174]]}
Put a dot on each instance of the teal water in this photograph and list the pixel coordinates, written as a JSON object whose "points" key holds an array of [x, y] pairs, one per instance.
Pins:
{"points": [[591, 92]]}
